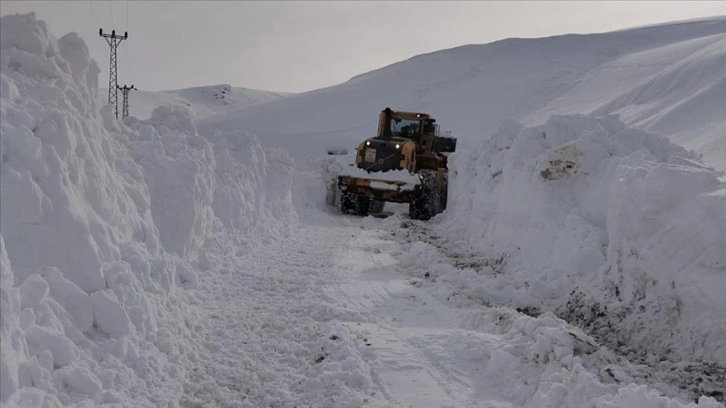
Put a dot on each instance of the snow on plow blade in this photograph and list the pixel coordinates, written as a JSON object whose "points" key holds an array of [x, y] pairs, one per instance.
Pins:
{"points": [[397, 191]]}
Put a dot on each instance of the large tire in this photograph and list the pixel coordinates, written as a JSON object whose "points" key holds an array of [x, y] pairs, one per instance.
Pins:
{"points": [[351, 203], [426, 203]]}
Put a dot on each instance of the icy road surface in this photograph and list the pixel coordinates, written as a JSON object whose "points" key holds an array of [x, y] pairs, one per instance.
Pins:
{"points": [[333, 318]]}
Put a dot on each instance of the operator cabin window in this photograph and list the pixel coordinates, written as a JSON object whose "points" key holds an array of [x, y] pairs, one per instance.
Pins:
{"points": [[407, 128]]}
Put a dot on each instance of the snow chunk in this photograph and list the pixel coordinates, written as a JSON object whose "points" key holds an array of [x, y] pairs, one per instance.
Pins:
{"points": [[41, 339], [71, 297], [32, 291], [78, 379], [109, 315]]}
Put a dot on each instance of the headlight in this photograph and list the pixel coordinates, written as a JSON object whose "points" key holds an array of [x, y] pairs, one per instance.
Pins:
{"points": [[368, 143], [398, 146]]}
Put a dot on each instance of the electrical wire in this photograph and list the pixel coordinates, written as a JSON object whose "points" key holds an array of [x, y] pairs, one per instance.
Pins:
{"points": [[93, 11], [110, 8], [126, 62]]}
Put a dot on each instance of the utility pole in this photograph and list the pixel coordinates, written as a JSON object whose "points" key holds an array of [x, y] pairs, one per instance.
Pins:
{"points": [[113, 41], [125, 91]]}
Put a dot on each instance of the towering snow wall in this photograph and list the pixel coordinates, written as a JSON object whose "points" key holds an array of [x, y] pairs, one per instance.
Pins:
{"points": [[104, 226], [612, 227]]}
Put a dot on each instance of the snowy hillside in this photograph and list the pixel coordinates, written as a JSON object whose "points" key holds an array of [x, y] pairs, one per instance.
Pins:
{"points": [[666, 78], [580, 263], [203, 101]]}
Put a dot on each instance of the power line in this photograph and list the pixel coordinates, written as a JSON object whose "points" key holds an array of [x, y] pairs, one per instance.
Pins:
{"points": [[94, 13], [110, 9], [127, 65]]}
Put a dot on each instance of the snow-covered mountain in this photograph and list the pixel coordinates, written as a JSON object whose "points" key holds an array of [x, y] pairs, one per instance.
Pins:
{"points": [[666, 78], [144, 263], [203, 101]]}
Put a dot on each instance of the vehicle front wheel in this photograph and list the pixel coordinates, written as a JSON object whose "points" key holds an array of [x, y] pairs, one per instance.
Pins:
{"points": [[426, 202]]}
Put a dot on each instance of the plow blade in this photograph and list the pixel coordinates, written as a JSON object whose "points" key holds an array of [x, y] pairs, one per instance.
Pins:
{"points": [[380, 190]]}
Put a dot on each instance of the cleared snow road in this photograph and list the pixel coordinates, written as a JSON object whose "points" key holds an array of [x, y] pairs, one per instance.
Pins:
{"points": [[326, 318], [331, 318]]}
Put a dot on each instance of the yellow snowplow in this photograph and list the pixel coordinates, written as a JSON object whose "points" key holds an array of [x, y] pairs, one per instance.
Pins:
{"points": [[406, 162]]}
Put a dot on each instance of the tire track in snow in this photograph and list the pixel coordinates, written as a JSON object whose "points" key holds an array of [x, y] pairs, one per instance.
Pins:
{"points": [[400, 367], [273, 338], [324, 319]]}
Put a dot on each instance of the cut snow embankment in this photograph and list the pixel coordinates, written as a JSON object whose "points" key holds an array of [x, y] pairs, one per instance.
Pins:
{"points": [[105, 225], [613, 228]]}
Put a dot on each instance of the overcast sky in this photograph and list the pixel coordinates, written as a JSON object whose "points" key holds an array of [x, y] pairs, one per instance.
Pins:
{"points": [[299, 46]]}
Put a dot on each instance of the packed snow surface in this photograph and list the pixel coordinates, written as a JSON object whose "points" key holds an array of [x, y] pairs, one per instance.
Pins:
{"points": [[144, 264]]}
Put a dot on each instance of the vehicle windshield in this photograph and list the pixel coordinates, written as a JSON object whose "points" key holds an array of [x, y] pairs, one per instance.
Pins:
{"points": [[407, 128]]}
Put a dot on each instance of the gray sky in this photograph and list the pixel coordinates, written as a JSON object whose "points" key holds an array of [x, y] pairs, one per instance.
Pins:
{"points": [[299, 46]]}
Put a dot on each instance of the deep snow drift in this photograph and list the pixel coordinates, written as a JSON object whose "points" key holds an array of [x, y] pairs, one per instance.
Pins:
{"points": [[104, 224], [614, 228], [202, 101], [667, 78]]}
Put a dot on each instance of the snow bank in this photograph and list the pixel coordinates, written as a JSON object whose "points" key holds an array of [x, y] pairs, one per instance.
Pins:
{"points": [[105, 224], [225, 186], [614, 228], [544, 362]]}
